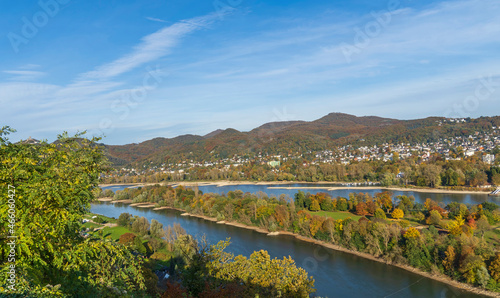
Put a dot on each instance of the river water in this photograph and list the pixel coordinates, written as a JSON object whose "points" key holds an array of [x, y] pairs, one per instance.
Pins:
{"points": [[336, 274]]}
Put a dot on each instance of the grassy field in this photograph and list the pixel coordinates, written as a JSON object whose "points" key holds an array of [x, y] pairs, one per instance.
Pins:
{"points": [[336, 214], [115, 232], [492, 236]]}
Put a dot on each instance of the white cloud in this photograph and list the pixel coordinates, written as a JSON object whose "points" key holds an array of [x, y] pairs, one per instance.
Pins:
{"points": [[152, 47], [156, 20], [24, 75]]}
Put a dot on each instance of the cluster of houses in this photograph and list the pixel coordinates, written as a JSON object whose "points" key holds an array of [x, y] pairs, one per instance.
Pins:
{"points": [[483, 144]]}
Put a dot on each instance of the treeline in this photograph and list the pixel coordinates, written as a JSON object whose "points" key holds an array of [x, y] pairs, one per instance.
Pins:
{"points": [[197, 269], [435, 172], [456, 240]]}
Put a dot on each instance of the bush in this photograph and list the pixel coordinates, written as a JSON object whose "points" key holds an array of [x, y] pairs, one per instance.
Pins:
{"points": [[124, 219], [160, 256], [127, 238], [139, 246], [379, 213], [99, 220], [404, 223]]}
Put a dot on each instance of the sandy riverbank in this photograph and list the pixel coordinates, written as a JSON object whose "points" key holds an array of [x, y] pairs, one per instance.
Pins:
{"points": [[354, 188], [142, 205]]}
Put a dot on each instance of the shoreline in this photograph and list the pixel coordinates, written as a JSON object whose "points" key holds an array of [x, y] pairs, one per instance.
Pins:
{"points": [[283, 183], [440, 278]]}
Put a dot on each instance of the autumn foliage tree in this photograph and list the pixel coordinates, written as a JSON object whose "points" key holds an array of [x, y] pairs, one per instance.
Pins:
{"points": [[397, 213], [361, 209]]}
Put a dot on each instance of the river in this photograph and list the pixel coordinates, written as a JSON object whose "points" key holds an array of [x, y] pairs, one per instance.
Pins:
{"points": [[336, 274], [278, 189]]}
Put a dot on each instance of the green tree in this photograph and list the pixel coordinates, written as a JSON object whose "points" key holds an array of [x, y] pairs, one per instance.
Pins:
{"points": [[140, 225], [379, 213], [51, 187], [156, 229], [124, 219], [314, 205], [434, 218]]}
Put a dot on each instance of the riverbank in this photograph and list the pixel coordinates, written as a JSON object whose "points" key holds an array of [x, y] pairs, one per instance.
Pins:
{"points": [[441, 278], [423, 190]]}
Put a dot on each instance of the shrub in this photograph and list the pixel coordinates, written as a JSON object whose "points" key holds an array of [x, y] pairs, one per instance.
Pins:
{"points": [[127, 238], [379, 213]]}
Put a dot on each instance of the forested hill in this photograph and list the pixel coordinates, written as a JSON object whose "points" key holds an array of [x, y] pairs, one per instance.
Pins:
{"points": [[335, 129]]}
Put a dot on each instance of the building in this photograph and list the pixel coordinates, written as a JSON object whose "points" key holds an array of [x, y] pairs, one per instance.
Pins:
{"points": [[489, 158], [274, 163]]}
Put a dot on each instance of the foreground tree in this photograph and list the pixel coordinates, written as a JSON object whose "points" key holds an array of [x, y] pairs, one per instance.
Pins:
{"points": [[211, 270], [51, 187]]}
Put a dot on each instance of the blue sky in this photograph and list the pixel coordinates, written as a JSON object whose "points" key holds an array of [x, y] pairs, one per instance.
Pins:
{"points": [[135, 70]]}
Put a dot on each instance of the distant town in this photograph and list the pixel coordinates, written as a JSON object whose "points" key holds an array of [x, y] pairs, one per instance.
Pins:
{"points": [[480, 146]]}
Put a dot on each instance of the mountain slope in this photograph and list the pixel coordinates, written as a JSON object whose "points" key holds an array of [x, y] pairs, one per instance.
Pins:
{"points": [[335, 129]]}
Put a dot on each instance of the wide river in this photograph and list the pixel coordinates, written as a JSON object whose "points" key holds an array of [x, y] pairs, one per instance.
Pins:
{"points": [[336, 274]]}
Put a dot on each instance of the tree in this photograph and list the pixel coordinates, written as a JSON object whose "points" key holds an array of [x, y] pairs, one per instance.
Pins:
{"points": [[495, 268], [155, 244], [108, 193], [473, 270], [259, 274], [495, 179], [51, 186], [124, 219], [140, 225], [139, 246], [434, 218], [397, 213], [229, 210], [314, 205], [379, 213], [482, 225], [361, 209], [342, 204], [156, 229], [431, 174], [127, 238], [449, 260], [455, 226]]}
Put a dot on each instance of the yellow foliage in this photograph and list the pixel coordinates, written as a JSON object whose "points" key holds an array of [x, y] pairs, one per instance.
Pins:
{"points": [[455, 226], [412, 233], [397, 213]]}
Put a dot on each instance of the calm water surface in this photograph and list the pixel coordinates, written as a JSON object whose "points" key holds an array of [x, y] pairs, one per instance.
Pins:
{"points": [[272, 190]]}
